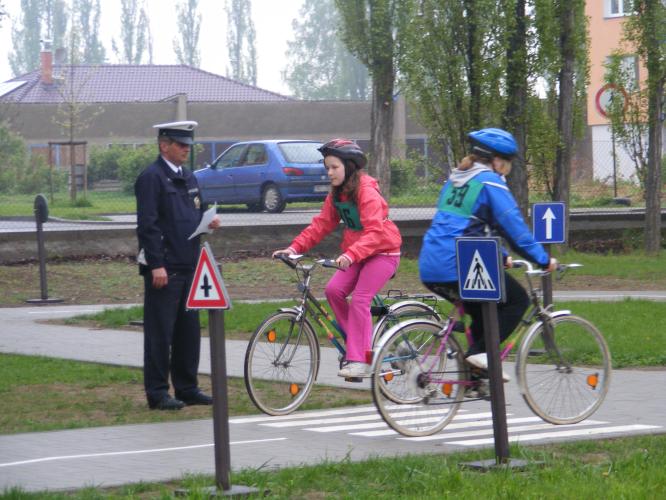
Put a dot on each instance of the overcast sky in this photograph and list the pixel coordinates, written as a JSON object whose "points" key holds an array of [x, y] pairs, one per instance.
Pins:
{"points": [[272, 23]]}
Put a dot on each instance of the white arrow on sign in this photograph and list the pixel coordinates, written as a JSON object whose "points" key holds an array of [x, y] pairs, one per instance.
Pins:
{"points": [[549, 217]]}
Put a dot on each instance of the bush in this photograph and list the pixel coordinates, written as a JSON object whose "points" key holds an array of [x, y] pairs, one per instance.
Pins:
{"points": [[103, 162], [13, 159], [408, 176], [132, 162]]}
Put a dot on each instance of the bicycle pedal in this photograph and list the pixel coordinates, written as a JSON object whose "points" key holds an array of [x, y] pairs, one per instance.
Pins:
{"points": [[354, 379]]}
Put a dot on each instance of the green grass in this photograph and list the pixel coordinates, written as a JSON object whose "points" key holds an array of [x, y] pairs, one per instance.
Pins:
{"points": [[634, 329], [94, 204], [626, 468], [43, 394]]}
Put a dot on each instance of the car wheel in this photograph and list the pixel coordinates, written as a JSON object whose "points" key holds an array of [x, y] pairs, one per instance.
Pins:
{"points": [[254, 207], [271, 200]]}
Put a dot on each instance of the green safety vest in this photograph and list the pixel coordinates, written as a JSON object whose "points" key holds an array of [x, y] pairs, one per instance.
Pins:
{"points": [[349, 214]]}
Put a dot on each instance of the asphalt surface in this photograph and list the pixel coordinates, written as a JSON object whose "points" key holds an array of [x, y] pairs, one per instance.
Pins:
{"points": [[110, 456]]}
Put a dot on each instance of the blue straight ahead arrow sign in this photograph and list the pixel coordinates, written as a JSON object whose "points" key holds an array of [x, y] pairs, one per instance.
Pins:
{"points": [[548, 222]]}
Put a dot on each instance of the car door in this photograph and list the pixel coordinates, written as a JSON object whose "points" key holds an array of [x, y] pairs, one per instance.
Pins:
{"points": [[227, 170], [252, 173]]}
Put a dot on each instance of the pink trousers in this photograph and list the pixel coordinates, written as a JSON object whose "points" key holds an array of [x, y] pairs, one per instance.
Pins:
{"points": [[362, 280]]}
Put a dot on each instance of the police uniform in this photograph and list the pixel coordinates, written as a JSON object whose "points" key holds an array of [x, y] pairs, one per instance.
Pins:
{"points": [[168, 212]]}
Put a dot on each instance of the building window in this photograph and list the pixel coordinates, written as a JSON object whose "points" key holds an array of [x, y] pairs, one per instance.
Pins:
{"points": [[629, 71], [617, 8]]}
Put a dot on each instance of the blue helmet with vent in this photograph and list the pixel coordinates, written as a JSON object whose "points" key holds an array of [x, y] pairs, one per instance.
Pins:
{"points": [[489, 142]]}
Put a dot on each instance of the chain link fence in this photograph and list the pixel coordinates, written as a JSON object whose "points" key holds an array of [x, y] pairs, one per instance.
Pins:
{"points": [[602, 175]]}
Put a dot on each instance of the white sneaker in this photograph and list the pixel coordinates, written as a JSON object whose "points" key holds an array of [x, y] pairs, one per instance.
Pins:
{"points": [[481, 361], [353, 369]]}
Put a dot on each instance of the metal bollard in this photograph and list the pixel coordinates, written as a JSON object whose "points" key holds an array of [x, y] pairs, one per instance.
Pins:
{"points": [[41, 209]]}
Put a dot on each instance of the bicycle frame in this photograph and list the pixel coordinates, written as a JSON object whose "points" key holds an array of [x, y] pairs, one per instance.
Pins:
{"points": [[535, 315]]}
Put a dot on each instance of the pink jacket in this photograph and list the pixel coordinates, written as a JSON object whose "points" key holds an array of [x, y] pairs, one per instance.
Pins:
{"points": [[378, 236]]}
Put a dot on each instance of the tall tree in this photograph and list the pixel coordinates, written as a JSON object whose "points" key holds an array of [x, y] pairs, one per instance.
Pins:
{"points": [[26, 36], [3, 13], [86, 20], [189, 24], [369, 29], [135, 34], [54, 23], [517, 94], [452, 58], [241, 42], [320, 66], [646, 28]]}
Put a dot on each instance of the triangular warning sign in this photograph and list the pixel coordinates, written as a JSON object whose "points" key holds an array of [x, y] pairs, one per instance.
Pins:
{"points": [[477, 275], [207, 291]]}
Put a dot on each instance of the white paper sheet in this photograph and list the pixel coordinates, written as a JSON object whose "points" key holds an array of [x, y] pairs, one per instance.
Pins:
{"points": [[206, 219]]}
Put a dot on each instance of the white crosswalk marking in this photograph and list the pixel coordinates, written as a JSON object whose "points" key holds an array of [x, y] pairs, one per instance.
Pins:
{"points": [[523, 438], [466, 429]]}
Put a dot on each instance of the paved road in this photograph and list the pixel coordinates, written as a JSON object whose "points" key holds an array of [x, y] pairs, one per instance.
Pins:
{"points": [[158, 452], [237, 217]]}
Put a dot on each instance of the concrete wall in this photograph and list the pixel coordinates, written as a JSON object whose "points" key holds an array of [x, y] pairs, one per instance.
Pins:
{"points": [[132, 122]]}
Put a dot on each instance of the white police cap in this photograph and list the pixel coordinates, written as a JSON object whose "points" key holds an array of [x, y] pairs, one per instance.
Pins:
{"points": [[182, 131]]}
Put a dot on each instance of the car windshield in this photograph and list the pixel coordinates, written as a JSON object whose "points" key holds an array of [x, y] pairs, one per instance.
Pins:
{"points": [[301, 152]]}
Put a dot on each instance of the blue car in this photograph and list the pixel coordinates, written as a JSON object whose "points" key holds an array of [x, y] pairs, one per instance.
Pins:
{"points": [[265, 175]]}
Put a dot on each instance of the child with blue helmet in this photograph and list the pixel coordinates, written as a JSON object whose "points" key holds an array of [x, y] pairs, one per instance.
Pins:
{"points": [[475, 201]]}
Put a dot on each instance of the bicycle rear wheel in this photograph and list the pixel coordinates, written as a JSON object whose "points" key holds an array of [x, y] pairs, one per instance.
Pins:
{"points": [[564, 369], [281, 363], [419, 378], [399, 312]]}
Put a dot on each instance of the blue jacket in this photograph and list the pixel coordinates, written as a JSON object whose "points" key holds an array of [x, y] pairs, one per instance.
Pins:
{"points": [[168, 211], [474, 202]]}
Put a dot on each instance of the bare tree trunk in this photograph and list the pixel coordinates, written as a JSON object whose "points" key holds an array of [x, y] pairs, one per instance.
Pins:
{"points": [[565, 106], [474, 59], [382, 124], [515, 115]]}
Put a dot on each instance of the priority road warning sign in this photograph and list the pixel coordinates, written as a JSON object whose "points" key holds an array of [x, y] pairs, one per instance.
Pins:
{"points": [[207, 290], [480, 273]]}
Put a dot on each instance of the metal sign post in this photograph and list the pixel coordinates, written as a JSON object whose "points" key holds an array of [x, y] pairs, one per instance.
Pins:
{"points": [[481, 278], [208, 292], [41, 209]]}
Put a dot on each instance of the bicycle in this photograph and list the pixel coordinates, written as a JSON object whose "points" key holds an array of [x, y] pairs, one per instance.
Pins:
{"points": [[420, 377], [283, 355]]}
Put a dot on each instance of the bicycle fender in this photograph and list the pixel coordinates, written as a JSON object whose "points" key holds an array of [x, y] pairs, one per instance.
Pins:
{"points": [[528, 333], [385, 338], [427, 311], [416, 303]]}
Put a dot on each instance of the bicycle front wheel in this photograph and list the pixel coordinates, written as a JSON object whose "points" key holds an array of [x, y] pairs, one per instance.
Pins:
{"points": [[564, 369], [419, 378], [281, 363]]}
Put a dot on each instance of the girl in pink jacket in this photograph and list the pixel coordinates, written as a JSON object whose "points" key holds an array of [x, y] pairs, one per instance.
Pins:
{"points": [[370, 247]]}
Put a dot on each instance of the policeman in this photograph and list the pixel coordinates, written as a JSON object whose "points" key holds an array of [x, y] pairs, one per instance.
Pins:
{"points": [[168, 212]]}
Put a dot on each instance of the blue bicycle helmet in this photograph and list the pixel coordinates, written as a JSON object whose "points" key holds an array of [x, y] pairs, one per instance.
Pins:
{"points": [[489, 142]]}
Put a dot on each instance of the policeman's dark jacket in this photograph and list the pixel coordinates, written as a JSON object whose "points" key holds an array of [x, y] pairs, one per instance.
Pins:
{"points": [[168, 212], [474, 202]]}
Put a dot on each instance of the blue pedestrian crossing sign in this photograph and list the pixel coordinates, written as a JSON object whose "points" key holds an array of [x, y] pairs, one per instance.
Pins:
{"points": [[548, 220], [480, 269]]}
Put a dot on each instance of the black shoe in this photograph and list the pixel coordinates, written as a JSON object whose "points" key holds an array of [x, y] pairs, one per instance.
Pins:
{"points": [[198, 398], [166, 403]]}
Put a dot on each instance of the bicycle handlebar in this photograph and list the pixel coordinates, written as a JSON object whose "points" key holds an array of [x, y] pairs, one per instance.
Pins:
{"points": [[561, 268]]}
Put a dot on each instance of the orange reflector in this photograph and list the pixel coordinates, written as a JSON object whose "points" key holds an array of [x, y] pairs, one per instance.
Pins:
{"points": [[447, 388], [388, 377], [593, 380], [294, 389], [271, 336]]}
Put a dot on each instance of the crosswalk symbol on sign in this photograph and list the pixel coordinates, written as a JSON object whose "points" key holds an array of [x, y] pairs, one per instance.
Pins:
{"points": [[477, 276], [207, 291]]}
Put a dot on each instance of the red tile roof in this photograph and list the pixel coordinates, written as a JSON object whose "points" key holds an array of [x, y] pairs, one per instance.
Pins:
{"points": [[114, 83]]}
